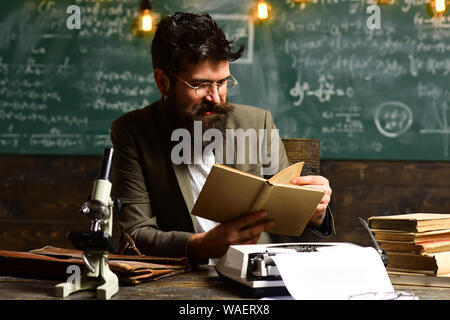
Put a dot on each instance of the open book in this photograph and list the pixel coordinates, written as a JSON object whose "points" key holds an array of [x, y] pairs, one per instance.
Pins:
{"points": [[229, 193]]}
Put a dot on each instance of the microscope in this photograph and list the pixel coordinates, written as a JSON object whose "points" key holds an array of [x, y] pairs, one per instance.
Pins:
{"points": [[97, 242]]}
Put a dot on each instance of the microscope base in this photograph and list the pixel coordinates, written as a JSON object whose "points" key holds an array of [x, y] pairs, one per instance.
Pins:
{"points": [[101, 278]]}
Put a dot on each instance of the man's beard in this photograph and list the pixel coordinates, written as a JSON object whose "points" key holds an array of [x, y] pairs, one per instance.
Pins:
{"points": [[217, 118]]}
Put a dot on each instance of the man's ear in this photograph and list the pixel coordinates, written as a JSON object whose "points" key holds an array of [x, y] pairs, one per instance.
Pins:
{"points": [[162, 81]]}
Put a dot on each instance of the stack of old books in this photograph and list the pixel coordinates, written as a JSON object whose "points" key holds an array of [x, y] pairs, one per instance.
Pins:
{"points": [[417, 246]]}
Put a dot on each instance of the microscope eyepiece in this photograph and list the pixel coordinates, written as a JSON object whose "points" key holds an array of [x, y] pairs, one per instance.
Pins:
{"points": [[105, 169]]}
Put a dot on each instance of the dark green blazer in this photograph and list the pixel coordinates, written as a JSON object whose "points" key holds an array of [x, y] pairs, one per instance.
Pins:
{"points": [[156, 194]]}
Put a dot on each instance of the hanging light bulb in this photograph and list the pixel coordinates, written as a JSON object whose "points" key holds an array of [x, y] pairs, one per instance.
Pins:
{"points": [[440, 6], [386, 2], [145, 21], [262, 10], [145, 17]]}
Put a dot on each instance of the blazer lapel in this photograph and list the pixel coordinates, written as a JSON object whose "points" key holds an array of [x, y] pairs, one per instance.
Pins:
{"points": [[184, 182], [245, 151], [181, 171]]}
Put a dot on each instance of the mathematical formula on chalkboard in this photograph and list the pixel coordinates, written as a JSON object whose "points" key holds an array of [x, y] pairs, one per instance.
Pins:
{"points": [[379, 92]]}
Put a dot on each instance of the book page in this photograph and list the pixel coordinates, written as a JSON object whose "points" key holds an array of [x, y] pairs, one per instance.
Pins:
{"points": [[227, 194], [262, 197], [230, 169], [285, 176], [291, 208]]}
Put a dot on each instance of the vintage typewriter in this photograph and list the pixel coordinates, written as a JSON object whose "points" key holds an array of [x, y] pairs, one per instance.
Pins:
{"points": [[252, 269]]}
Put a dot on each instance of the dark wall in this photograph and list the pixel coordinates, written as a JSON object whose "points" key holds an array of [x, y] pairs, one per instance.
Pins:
{"points": [[370, 188], [40, 198], [40, 195]]}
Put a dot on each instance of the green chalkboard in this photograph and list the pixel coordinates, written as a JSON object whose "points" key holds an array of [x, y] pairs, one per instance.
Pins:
{"points": [[366, 93]]}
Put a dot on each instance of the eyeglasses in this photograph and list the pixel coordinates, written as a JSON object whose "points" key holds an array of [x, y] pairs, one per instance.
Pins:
{"points": [[206, 88], [396, 295]]}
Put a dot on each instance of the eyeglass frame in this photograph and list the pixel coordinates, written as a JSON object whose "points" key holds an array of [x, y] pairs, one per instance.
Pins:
{"points": [[210, 84], [392, 295]]}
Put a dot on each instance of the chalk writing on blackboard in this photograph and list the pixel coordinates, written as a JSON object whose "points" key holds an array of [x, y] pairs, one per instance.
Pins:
{"points": [[343, 119], [441, 118], [377, 94], [393, 118], [325, 90]]}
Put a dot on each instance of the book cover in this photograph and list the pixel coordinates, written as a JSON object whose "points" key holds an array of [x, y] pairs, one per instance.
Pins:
{"points": [[390, 235], [413, 222], [416, 247], [229, 193]]}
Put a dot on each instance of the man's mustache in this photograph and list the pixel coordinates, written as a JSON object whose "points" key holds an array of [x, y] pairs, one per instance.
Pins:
{"points": [[218, 108]]}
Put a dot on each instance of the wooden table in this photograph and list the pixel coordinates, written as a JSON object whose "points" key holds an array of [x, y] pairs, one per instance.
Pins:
{"points": [[198, 284]]}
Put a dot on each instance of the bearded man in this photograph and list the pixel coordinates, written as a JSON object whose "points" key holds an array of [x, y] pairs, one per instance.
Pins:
{"points": [[191, 57]]}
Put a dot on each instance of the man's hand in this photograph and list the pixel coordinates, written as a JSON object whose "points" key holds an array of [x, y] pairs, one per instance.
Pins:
{"points": [[215, 242], [318, 183]]}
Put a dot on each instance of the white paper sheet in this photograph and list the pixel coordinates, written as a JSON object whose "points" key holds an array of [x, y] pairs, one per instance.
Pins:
{"points": [[333, 274]]}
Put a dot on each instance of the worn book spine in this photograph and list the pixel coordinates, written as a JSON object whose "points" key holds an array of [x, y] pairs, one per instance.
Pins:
{"points": [[435, 263], [414, 222], [416, 247], [262, 197], [382, 235]]}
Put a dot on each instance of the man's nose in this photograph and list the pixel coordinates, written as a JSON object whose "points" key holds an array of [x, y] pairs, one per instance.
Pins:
{"points": [[213, 94]]}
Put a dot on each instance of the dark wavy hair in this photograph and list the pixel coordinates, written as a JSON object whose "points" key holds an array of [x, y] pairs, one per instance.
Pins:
{"points": [[190, 38]]}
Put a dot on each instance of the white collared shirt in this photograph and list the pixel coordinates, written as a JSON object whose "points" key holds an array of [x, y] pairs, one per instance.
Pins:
{"points": [[198, 173]]}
